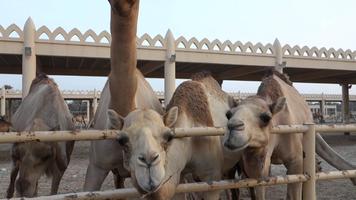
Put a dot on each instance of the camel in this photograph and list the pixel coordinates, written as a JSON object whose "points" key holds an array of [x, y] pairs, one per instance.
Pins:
{"points": [[4, 125], [156, 161], [79, 120], [277, 103], [43, 109], [99, 165], [125, 90]]}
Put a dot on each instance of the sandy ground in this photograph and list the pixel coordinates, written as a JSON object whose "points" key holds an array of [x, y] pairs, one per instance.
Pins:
{"points": [[74, 176]]}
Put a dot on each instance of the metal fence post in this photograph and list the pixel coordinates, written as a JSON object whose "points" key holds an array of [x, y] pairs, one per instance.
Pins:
{"points": [[309, 192]]}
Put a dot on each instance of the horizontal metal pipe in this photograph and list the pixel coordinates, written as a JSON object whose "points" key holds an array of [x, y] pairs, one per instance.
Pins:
{"points": [[244, 183], [198, 131], [98, 195], [336, 175], [288, 129], [333, 128], [182, 188], [46, 136]]}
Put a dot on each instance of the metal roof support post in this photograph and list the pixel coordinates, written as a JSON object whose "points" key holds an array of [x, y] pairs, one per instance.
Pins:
{"points": [[28, 56], [279, 65], [3, 100], [345, 104], [322, 108], [169, 68]]}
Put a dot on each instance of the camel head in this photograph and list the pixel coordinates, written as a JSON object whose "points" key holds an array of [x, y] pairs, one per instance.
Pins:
{"points": [[4, 125], [145, 136], [123, 7], [33, 159], [250, 122]]}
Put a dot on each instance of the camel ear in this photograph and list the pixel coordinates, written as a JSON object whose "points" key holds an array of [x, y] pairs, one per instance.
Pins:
{"points": [[115, 120], [232, 102], [278, 105], [171, 117]]}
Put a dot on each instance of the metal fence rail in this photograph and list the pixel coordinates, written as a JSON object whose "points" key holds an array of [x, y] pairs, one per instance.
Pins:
{"points": [[182, 188], [47, 136], [52, 136], [309, 177]]}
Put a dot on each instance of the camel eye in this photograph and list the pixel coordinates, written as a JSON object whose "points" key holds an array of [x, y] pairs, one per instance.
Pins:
{"points": [[46, 157], [142, 159], [123, 139], [265, 118], [228, 114]]}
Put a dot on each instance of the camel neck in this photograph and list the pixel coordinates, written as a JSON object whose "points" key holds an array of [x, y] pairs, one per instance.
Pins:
{"points": [[122, 78]]}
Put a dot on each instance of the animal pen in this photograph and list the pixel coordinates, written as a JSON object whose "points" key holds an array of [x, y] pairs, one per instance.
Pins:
{"points": [[158, 56], [308, 178]]}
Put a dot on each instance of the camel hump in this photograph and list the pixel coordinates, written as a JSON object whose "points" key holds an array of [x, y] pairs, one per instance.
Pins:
{"points": [[282, 76], [201, 75], [190, 98], [42, 78]]}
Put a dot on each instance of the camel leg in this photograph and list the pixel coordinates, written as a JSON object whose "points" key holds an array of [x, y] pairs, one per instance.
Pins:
{"points": [[243, 175], [235, 193], [56, 179], [94, 178], [294, 190], [257, 166], [13, 175], [118, 180]]}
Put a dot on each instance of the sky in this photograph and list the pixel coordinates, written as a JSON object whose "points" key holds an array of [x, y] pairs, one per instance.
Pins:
{"points": [[320, 23]]}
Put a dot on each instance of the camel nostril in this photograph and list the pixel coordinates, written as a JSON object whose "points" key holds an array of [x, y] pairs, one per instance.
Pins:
{"points": [[155, 157], [238, 127], [142, 159]]}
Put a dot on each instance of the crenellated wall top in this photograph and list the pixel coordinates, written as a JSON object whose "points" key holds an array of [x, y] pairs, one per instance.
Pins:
{"points": [[89, 37]]}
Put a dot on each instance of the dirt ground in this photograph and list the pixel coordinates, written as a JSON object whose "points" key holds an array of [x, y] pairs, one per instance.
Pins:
{"points": [[74, 176]]}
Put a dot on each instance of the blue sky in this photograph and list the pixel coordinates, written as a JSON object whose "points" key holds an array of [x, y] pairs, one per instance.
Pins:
{"points": [[296, 22]]}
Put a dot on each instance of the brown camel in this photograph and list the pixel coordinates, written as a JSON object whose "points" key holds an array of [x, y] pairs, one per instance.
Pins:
{"points": [[4, 125], [157, 162], [125, 90], [277, 103], [43, 109]]}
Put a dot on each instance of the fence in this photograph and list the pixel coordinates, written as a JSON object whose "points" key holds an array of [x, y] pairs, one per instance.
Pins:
{"points": [[308, 179]]}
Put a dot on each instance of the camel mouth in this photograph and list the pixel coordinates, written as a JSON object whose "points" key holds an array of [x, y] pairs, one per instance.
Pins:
{"points": [[236, 141], [150, 188], [232, 147]]}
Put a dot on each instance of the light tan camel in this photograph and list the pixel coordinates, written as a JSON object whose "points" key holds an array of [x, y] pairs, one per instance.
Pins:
{"points": [[106, 155], [125, 90], [43, 109], [277, 103], [157, 162]]}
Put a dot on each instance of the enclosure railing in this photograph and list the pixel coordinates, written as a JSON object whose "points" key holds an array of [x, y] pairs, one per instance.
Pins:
{"points": [[308, 178]]}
